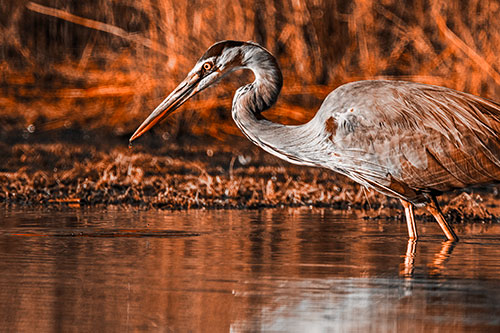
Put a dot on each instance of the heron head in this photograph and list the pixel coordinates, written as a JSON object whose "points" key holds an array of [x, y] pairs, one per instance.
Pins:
{"points": [[219, 60]]}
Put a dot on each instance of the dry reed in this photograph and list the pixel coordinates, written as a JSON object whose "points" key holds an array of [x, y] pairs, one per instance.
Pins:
{"points": [[101, 66], [68, 64]]}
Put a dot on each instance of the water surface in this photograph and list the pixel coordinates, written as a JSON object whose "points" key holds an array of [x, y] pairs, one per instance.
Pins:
{"points": [[292, 270]]}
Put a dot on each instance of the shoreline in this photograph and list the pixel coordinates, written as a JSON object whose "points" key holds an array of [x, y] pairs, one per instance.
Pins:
{"points": [[195, 174]]}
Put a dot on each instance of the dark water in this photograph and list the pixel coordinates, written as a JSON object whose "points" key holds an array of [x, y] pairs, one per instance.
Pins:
{"points": [[294, 270]]}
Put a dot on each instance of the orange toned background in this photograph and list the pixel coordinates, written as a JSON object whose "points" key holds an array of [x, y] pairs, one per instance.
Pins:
{"points": [[103, 65]]}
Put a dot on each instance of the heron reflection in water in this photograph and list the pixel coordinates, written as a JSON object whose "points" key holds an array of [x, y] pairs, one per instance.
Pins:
{"points": [[407, 140]]}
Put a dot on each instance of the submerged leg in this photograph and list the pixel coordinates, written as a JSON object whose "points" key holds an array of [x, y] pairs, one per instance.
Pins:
{"points": [[433, 208], [410, 219], [442, 257], [409, 264]]}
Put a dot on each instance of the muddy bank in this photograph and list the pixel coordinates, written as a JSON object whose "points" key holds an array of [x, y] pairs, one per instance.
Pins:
{"points": [[91, 170]]}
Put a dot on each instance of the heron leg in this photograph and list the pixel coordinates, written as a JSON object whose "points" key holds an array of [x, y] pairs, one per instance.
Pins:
{"points": [[434, 209], [410, 219]]}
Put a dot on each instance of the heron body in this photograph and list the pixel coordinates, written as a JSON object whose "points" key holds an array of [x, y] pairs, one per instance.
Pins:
{"points": [[407, 140]]}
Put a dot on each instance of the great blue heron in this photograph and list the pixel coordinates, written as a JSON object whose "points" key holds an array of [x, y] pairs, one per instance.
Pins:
{"points": [[407, 140]]}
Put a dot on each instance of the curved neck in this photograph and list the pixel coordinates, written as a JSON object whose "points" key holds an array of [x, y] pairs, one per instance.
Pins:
{"points": [[261, 94], [291, 143]]}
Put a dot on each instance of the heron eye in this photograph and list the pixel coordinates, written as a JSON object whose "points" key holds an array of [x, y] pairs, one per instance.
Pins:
{"points": [[207, 66]]}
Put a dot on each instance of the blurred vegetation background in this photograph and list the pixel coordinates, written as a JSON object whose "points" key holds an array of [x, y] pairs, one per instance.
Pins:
{"points": [[103, 65]]}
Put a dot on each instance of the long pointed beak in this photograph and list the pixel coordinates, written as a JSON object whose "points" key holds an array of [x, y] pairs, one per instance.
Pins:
{"points": [[181, 94]]}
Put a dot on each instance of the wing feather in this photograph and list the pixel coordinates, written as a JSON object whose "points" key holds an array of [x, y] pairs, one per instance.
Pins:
{"points": [[423, 137]]}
